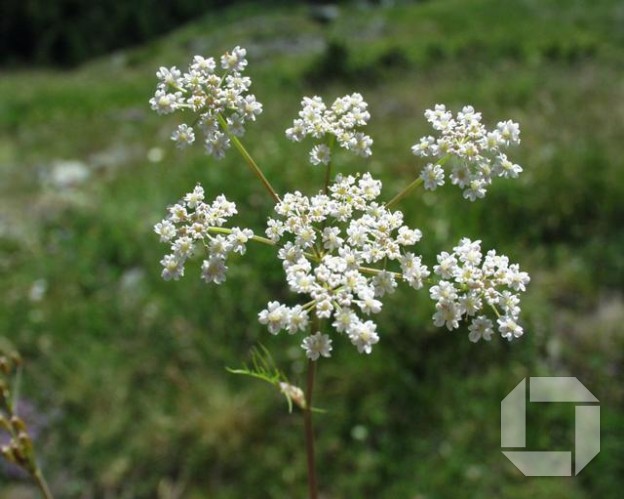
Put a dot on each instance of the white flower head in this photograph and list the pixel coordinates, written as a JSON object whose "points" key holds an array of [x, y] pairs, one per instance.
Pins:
{"points": [[192, 224], [469, 281], [221, 103], [343, 250], [341, 121], [473, 154]]}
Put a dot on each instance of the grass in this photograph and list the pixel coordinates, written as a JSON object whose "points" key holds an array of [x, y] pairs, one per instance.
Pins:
{"points": [[129, 372]]}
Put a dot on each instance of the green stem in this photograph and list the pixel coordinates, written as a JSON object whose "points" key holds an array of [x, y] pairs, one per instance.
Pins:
{"points": [[17, 383], [248, 159], [225, 230], [442, 161], [42, 484], [309, 432], [404, 192], [331, 142], [327, 177]]}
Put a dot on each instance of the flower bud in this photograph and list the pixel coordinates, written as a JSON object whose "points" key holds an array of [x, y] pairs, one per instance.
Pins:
{"points": [[18, 425], [4, 423], [7, 453], [293, 393]]}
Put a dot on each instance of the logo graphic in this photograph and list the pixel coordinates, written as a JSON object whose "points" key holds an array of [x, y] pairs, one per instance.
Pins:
{"points": [[586, 430]]}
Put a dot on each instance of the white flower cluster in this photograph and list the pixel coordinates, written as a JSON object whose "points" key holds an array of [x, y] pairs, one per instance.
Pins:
{"points": [[192, 225], [340, 121], [476, 152], [328, 244], [469, 281], [214, 97]]}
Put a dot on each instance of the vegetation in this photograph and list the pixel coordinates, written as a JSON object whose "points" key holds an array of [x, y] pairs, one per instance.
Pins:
{"points": [[125, 376], [66, 33]]}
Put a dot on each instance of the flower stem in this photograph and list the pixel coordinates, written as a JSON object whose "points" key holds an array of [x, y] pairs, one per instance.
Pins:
{"points": [[442, 161], [42, 484], [248, 159], [332, 141], [309, 433], [225, 230], [404, 192], [327, 178]]}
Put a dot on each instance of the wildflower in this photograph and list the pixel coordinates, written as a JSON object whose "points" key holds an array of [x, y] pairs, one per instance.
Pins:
{"points": [[340, 122], [481, 327], [475, 154], [468, 281], [330, 245], [221, 103], [183, 136], [363, 335], [317, 345], [192, 225]]}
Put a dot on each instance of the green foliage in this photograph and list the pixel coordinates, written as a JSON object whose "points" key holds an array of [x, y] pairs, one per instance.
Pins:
{"points": [[130, 371], [68, 32]]}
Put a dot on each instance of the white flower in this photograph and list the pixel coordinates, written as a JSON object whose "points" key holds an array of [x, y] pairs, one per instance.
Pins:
{"points": [[166, 230], [426, 147], [447, 264], [509, 132], [183, 247], [165, 103], [203, 65], [173, 267], [183, 136], [509, 328], [481, 327], [317, 345], [168, 77], [408, 237], [433, 176], [367, 302], [473, 153], [414, 272], [250, 107], [320, 154], [517, 280], [234, 60], [194, 198], [448, 314], [208, 95], [213, 270], [506, 168], [470, 281], [363, 335], [297, 319], [341, 120], [275, 317], [329, 244], [193, 224], [384, 282], [239, 238]]}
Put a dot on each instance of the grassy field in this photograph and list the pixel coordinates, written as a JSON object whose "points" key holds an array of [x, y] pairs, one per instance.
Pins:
{"points": [[125, 374]]}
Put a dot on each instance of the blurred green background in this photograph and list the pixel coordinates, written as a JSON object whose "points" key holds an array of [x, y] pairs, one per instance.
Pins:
{"points": [[125, 380]]}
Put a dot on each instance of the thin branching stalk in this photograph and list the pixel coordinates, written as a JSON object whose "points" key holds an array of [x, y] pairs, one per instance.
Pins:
{"points": [[309, 431], [226, 230], [248, 159], [415, 183], [42, 484], [332, 141], [404, 192]]}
